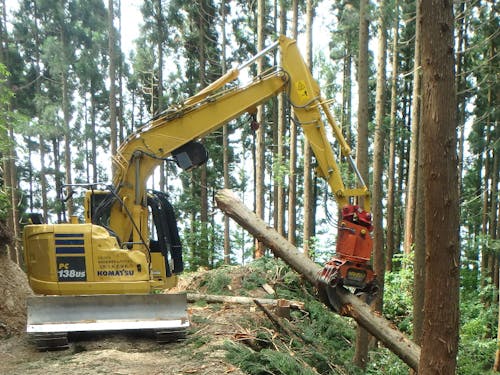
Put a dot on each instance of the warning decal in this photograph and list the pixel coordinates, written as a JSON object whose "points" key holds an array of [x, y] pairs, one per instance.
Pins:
{"points": [[301, 88]]}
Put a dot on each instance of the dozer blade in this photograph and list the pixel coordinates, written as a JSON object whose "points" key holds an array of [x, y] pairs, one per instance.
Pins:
{"points": [[50, 318]]}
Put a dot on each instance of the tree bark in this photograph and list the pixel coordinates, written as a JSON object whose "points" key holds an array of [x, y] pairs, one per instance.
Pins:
{"points": [[202, 60], [419, 252], [66, 118], [441, 304], [260, 146], [415, 128], [361, 353], [112, 79], [292, 177], [378, 159], [12, 186], [392, 146], [282, 107], [352, 306], [225, 141], [308, 180], [362, 143]]}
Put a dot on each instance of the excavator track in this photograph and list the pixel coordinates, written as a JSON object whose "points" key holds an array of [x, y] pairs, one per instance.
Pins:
{"points": [[50, 341], [169, 336]]}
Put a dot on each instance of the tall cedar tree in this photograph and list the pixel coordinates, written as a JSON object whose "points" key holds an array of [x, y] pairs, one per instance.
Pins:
{"points": [[378, 156], [292, 177], [415, 203], [112, 78], [391, 173], [309, 199], [361, 352], [280, 152], [225, 138], [411, 192], [439, 142], [260, 142]]}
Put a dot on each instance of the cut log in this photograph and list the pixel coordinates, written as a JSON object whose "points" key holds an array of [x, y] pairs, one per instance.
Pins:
{"points": [[352, 306], [269, 289], [214, 298]]}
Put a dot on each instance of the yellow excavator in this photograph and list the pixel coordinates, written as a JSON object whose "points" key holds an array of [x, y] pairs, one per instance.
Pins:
{"points": [[108, 273]]}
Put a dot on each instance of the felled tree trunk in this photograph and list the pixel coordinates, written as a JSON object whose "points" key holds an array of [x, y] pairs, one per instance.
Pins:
{"points": [[352, 306], [212, 298]]}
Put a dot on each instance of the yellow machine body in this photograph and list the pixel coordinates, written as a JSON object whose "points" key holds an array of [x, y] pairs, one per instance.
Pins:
{"points": [[73, 259]]}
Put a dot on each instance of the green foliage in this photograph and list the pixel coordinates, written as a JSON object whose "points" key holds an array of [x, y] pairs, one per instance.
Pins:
{"points": [[5, 96], [398, 296], [382, 361], [477, 332], [4, 204], [217, 281], [280, 169], [5, 113], [327, 339], [264, 362]]}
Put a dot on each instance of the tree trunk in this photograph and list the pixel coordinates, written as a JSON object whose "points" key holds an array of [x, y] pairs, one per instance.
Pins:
{"points": [[67, 142], [57, 176], [225, 142], [260, 146], [419, 251], [418, 233], [461, 87], [93, 105], [12, 185], [494, 233], [362, 143], [214, 298], [496, 365], [159, 51], [292, 177], [485, 218], [347, 92], [66, 118], [378, 159], [440, 331], [352, 306], [112, 79], [308, 180], [391, 173], [282, 109], [43, 178], [415, 128], [202, 52], [361, 353]]}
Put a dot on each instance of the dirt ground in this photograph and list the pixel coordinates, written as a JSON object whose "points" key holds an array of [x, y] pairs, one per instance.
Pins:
{"points": [[200, 353]]}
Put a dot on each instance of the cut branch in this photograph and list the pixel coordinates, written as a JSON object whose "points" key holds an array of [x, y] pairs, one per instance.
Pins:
{"points": [[352, 306]]}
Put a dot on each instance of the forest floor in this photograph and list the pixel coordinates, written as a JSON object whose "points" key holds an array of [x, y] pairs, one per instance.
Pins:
{"points": [[201, 352]]}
